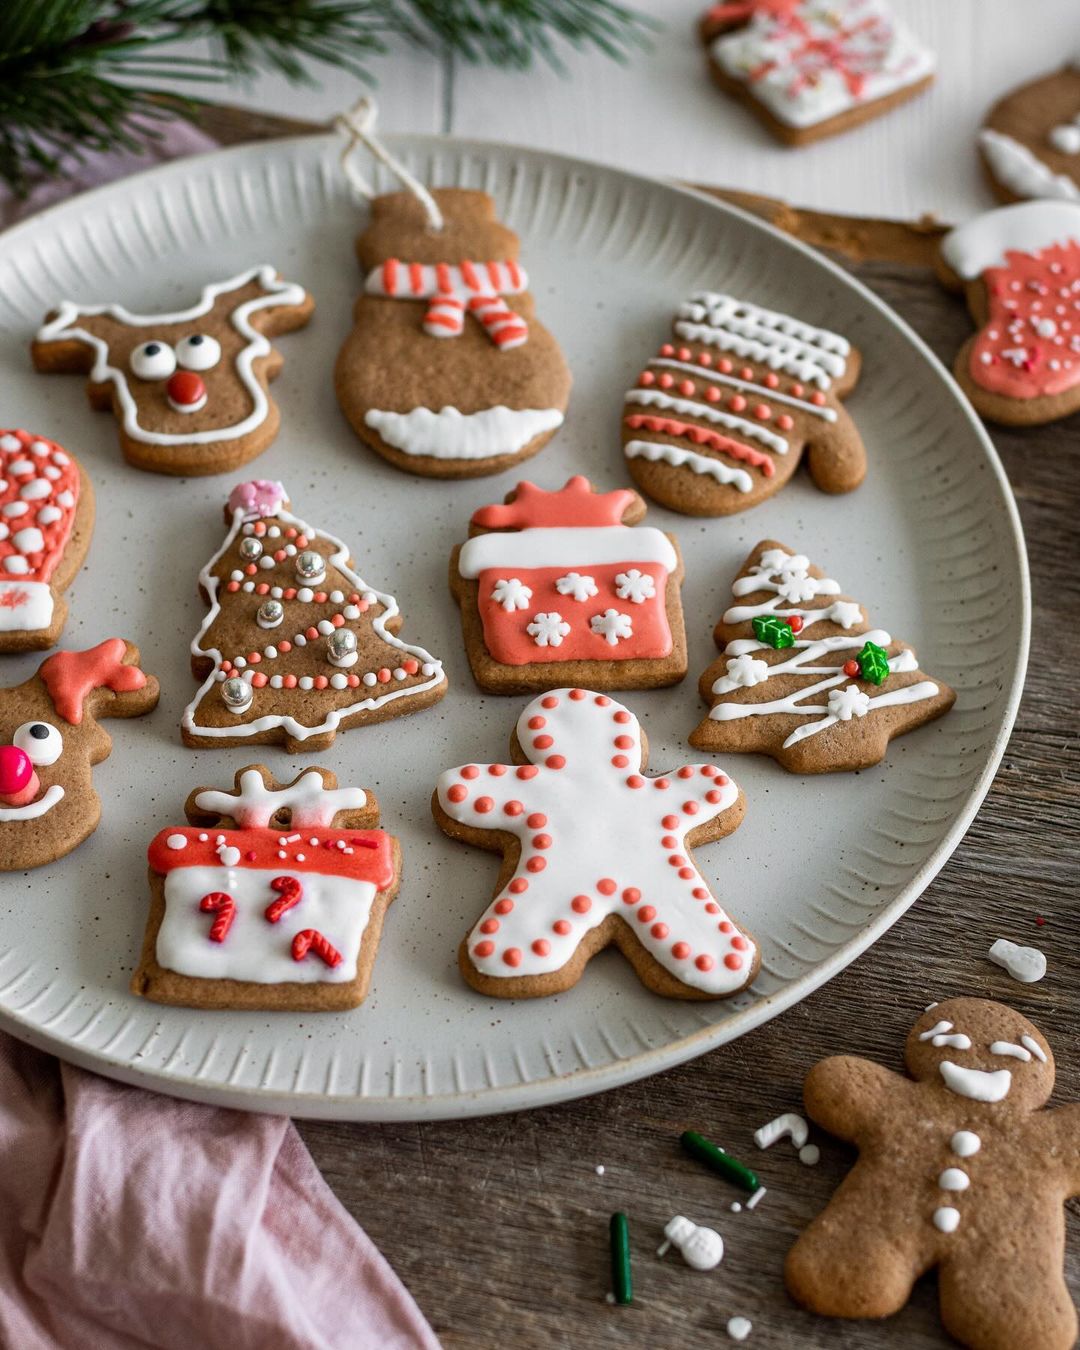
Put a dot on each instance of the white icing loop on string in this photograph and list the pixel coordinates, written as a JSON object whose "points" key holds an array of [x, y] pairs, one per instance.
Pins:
{"points": [[358, 125]]}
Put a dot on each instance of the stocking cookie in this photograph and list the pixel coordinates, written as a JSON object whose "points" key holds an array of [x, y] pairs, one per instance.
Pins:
{"points": [[804, 677], [959, 1168], [188, 389], [447, 372], [296, 645], [46, 520], [49, 742], [1030, 141], [567, 889], [272, 897], [721, 416], [811, 68], [555, 586], [1019, 268]]}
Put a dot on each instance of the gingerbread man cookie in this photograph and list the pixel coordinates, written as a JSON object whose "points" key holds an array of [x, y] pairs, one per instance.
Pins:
{"points": [[959, 1168], [594, 854], [272, 897], [188, 389], [447, 372], [1030, 142]]}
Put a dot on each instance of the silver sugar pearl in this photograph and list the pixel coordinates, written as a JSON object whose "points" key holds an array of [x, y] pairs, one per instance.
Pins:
{"points": [[236, 694], [310, 566], [341, 647], [270, 613], [250, 548]]}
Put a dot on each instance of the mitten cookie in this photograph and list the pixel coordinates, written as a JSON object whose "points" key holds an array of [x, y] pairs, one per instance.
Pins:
{"points": [[296, 645], [594, 853], [804, 677], [958, 1169], [1030, 142], [1019, 268], [447, 372], [46, 520], [721, 416], [272, 898], [811, 68], [189, 389], [49, 742], [558, 586]]}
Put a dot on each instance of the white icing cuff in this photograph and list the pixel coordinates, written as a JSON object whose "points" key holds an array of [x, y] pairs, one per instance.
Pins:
{"points": [[565, 546], [1027, 227], [25, 605]]}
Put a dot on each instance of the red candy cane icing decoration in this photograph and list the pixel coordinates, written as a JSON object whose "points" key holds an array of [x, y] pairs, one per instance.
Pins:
{"points": [[39, 491], [311, 940], [451, 288], [70, 676], [289, 894], [597, 838], [221, 905]]}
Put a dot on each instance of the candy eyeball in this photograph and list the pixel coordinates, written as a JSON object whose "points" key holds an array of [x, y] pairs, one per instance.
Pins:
{"points": [[40, 741], [153, 361], [198, 351]]}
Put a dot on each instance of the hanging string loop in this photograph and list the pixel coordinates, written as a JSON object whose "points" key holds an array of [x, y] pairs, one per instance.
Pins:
{"points": [[358, 126]]}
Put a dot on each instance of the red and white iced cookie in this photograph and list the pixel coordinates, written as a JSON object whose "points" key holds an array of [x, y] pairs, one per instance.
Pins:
{"points": [[271, 897]]}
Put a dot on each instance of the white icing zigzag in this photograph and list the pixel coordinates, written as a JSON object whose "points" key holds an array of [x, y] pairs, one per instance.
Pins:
{"points": [[781, 342]]}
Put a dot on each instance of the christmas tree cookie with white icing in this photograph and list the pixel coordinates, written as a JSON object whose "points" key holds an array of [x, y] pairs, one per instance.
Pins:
{"points": [[448, 372], [562, 586], [805, 677], [1019, 269], [722, 415], [595, 854], [188, 389], [46, 520], [1030, 141], [271, 897], [296, 645], [812, 68]]}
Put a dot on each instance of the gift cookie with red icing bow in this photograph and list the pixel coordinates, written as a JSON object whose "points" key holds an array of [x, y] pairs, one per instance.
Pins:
{"points": [[1019, 269], [961, 1167], [595, 854], [273, 896], [50, 739], [46, 520], [448, 372], [812, 68], [722, 415], [189, 388], [558, 586]]}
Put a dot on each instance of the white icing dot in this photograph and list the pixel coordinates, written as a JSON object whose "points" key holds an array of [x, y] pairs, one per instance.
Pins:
{"points": [[229, 856], [15, 509], [306, 682], [29, 540], [16, 566], [810, 1155], [49, 515], [325, 627], [51, 473], [10, 443], [266, 560], [41, 448], [339, 681], [946, 1219], [738, 1328], [399, 674], [300, 640], [203, 838], [371, 597], [336, 597], [427, 669], [370, 679], [240, 662], [58, 458], [236, 576], [351, 612], [32, 492], [248, 586], [277, 682], [964, 1143], [954, 1179], [276, 592], [274, 532], [176, 841], [306, 594], [20, 467]]}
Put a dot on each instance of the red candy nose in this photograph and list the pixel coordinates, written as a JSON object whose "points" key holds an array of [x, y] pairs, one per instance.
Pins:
{"points": [[18, 781], [186, 387]]}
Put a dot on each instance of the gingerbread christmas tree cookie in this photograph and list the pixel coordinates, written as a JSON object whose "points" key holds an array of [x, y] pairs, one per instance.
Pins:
{"points": [[804, 676], [271, 897], [961, 1167], [565, 585], [595, 853], [296, 645], [721, 416]]}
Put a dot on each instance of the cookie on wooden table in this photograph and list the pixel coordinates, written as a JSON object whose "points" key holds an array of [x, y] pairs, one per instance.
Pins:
{"points": [[1030, 141]]}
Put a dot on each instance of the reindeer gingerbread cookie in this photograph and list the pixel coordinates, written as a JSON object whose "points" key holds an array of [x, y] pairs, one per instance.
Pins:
{"points": [[188, 389], [595, 854], [960, 1168], [49, 742], [272, 897], [447, 372]]}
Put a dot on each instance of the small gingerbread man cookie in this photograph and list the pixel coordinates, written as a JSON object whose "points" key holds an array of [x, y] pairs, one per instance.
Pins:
{"points": [[958, 1169]]}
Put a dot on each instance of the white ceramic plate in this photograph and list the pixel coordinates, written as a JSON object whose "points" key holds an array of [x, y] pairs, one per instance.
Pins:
{"points": [[822, 866]]}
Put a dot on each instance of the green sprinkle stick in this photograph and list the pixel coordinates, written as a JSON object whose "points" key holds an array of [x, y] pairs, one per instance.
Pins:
{"points": [[622, 1283], [714, 1157]]}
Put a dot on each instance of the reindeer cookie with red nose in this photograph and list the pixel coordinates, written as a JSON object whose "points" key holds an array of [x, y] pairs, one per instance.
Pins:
{"points": [[960, 1168], [49, 742], [189, 389]]}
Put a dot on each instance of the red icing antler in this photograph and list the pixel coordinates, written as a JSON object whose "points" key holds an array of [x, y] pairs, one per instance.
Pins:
{"points": [[70, 676], [575, 504]]}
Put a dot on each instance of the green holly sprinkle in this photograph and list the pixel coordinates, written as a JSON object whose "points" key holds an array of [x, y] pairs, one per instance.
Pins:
{"points": [[874, 663], [773, 631]]}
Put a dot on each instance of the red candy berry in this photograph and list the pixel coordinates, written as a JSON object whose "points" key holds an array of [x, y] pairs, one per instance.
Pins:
{"points": [[851, 668]]}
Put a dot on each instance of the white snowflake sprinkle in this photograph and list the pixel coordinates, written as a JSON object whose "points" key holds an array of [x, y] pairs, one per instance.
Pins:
{"points": [[548, 630], [512, 594], [576, 586], [745, 671], [849, 702], [796, 587], [845, 612], [612, 626], [635, 586]]}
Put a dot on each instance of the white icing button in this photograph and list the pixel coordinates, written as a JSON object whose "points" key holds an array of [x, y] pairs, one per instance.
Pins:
{"points": [[21, 466], [32, 492], [229, 856], [964, 1143], [370, 679], [41, 448], [946, 1219], [176, 841], [954, 1179], [16, 566]]}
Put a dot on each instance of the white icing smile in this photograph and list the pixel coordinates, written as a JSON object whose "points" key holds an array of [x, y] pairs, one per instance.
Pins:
{"points": [[195, 407], [979, 1084], [32, 810]]}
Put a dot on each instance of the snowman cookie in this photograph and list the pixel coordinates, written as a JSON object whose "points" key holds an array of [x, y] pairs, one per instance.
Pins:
{"points": [[960, 1167]]}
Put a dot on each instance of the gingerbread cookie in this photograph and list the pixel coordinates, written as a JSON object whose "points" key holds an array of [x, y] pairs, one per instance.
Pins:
{"points": [[189, 389], [555, 586], [958, 1168], [46, 520], [1019, 268], [273, 897], [447, 372], [296, 645], [49, 742], [811, 68], [1030, 142], [721, 416], [595, 854], [804, 677]]}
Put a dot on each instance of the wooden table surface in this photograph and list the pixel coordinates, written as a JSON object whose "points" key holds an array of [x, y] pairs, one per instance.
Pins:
{"points": [[499, 1226]]}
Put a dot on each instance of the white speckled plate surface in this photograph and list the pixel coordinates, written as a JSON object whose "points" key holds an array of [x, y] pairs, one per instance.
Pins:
{"points": [[931, 543]]}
